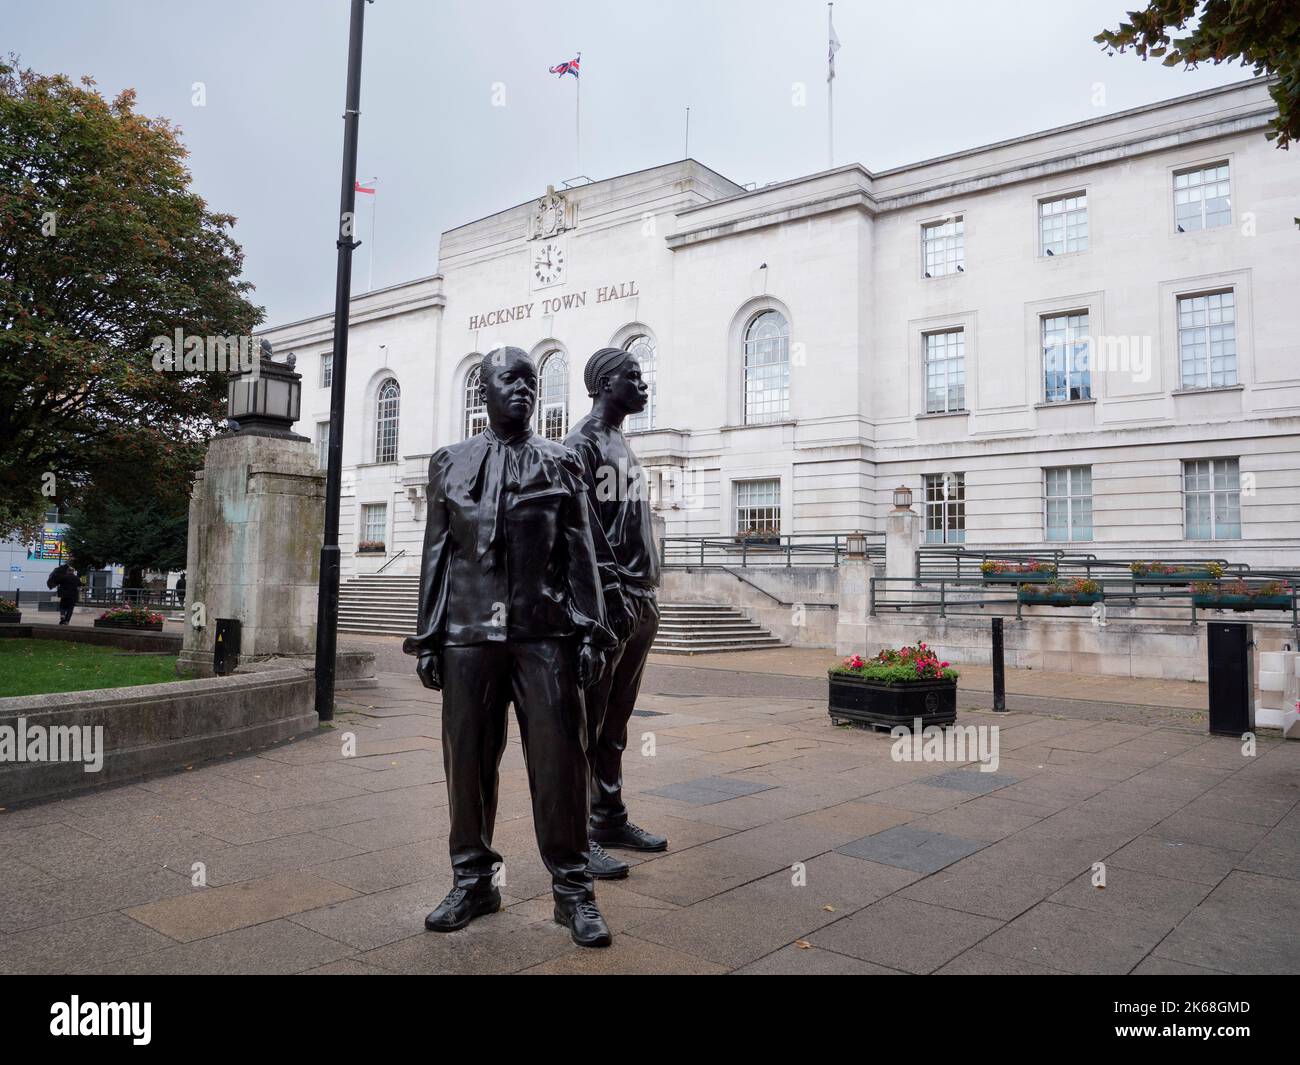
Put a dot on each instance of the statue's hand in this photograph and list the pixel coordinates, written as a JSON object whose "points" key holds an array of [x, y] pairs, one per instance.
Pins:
{"points": [[428, 670], [591, 660], [618, 612]]}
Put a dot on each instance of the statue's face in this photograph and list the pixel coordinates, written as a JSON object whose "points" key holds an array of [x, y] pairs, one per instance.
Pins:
{"points": [[509, 387], [626, 388]]}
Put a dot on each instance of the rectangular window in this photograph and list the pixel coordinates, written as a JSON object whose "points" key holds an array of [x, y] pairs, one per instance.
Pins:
{"points": [[945, 371], [374, 522], [1202, 198], [1066, 358], [1068, 498], [323, 444], [758, 506], [1063, 224], [1212, 499], [943, 247], [945, 508], [1207, 340], [327, 369]]}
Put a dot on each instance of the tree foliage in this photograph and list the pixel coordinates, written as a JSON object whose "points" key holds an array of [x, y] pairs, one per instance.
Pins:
{"points": [[103, 246], [1263, 34], [147, 535]]}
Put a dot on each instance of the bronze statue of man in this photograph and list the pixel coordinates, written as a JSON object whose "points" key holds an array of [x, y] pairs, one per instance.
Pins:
{"points": [[511, 611], [629, 560]]}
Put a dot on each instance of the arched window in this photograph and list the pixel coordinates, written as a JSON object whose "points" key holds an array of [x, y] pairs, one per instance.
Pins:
{"points": [[767, 368], [475, 409], [642, 348], [553, 397], [387, 402]]}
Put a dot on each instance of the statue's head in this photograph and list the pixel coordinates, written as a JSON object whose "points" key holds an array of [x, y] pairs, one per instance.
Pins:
{"points": [[508, 386], [613, 379]]}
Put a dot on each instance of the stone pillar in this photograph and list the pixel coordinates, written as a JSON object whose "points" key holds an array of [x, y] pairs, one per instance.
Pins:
{"points": [[257, 516], [854, 598], [902, 538]]}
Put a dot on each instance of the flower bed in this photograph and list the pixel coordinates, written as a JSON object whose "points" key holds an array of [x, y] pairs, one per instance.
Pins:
{"points": [[130, 617], [9, 612], [1162, 573], [1017, 572], [371, 547], [1078, 591], [896, 687], [1239, 595]]}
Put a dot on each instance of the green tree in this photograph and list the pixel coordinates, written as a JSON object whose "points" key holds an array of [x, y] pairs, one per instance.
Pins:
{"points": [[148, 534], [103, 247], [1264, 34]]}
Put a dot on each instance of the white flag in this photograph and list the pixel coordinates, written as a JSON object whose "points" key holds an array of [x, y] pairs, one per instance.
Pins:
{"points": [[833, 47]]}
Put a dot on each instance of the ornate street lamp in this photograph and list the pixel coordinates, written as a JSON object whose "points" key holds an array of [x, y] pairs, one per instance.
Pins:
{"points": [[266, 402], [902, 498], [855, 545]]}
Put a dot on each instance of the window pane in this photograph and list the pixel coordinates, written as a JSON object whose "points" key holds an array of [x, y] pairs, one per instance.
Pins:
{"points": [[767, 369], [553, 397], [386, 414], [643, 349]]}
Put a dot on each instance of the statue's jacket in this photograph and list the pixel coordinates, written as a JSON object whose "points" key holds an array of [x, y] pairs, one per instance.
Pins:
{"points": [[620, 500], [508, 549]]}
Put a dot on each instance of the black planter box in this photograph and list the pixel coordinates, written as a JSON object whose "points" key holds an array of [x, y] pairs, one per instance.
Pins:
{"points": [[1037, 598], [101, 624], [11, 619], [873, 702], [1041, 577], [1242, 602]]}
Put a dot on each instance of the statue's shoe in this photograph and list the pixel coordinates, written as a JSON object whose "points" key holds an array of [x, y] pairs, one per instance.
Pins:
{"points": [[584, 923], [460, 907], [604, 866], [628, 836]]}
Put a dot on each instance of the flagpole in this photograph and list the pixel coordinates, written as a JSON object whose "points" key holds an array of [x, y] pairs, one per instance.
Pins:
{"points": [[830, 91], [687, 152], [374, 204], [577, 118]]}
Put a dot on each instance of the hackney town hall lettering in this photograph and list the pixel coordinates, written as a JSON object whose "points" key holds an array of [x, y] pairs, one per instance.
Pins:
{"points": [[552, 305]]}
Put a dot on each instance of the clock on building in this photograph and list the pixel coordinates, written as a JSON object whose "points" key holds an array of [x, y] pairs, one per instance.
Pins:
{"points": [[548, 264]]}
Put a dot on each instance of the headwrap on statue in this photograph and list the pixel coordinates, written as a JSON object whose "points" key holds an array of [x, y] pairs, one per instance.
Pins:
{"points": [[604, 361]]}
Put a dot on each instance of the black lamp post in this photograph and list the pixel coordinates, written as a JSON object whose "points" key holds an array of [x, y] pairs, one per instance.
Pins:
{"points": [[327, 599]]}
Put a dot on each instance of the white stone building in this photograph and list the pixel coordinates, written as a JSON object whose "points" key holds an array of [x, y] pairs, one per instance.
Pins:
{"points": [[1087, 336]]}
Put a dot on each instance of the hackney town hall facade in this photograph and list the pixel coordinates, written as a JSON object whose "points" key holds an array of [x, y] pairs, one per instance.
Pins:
{"points": [[1086, 338]]}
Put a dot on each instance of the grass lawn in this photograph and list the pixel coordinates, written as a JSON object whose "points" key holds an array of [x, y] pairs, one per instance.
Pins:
{"points": [[38, 667]]}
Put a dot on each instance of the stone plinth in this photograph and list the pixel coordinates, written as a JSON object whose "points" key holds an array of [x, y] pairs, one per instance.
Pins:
{"points": [[902, 538], [256, 525]]}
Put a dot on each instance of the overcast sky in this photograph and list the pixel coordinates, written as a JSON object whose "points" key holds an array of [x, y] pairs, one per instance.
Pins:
{"points": [[914, 80]]}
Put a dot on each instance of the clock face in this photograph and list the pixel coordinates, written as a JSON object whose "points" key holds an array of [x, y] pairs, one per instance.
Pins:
{"points": [[548, 264]]}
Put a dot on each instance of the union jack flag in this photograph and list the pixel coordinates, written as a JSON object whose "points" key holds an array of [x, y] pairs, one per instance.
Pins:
{"points": [[571, 67]]}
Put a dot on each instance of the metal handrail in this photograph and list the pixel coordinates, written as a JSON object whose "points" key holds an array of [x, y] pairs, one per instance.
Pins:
{"points": [[391, 561], [975, 592]]}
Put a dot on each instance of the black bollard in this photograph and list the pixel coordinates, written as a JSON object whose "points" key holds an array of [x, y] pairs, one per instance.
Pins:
{"points": [[999, 669], [1232, 678]]}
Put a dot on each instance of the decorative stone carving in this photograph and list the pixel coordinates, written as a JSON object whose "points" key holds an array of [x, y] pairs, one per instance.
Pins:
{"points": [[551, 215]]}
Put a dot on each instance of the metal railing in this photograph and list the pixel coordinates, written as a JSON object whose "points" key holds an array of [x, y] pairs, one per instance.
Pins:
{"points": [[391, 561], [788, 549], [974, 597]]}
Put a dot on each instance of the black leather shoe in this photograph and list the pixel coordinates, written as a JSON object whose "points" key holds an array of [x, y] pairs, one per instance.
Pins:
{"points": [[460, 907], [604, 866], [630, 837], [585, 923]]}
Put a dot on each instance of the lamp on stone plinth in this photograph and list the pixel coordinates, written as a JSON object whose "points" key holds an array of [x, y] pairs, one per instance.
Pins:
{"points": [[855, 545], [267, 399], [902, 498]]}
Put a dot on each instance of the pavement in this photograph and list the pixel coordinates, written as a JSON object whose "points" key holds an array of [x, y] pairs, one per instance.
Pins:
{"points": [[795, 846]]}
